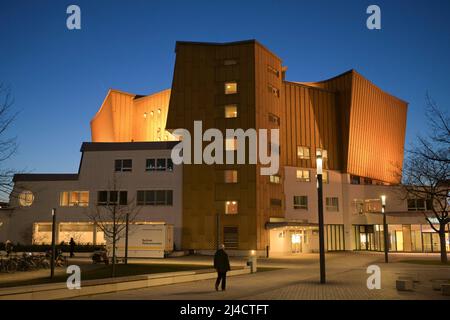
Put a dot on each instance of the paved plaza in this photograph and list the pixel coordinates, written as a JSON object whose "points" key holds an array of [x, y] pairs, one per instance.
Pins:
{"points": [[298, 278]]}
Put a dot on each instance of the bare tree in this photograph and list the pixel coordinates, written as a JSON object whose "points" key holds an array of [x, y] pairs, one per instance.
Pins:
{"points": [[112, 216], [8, 144], [426, 174]]}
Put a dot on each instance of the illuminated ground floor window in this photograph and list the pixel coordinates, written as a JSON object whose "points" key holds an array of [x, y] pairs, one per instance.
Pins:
{"points": [[81, 232], [402, 238], [305, 239], [334, 237]]}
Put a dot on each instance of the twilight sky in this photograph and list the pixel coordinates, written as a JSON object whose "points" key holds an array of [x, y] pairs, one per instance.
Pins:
{"points": [[59, 77]]}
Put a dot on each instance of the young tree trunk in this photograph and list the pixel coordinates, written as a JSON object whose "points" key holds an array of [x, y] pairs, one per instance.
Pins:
{"points": [[113, 268], [443, 244]]}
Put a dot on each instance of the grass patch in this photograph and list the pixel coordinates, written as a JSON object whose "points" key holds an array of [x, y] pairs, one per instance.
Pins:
{"points": [[426, 262], [104, 271]]}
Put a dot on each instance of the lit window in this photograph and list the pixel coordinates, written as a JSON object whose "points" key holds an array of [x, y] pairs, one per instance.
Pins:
{"points": [[372, 205], [322, 152], [230, 87], [26, 198], [301, 202], [275, 179], [231, 111], [231, 176], [123, 165], [303, 175], [332, 204], [230, 144], [231, 207], [303, 152], [74, 199]]}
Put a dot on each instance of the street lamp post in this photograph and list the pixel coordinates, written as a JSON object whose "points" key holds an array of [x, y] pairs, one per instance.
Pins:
{"points": [[127, 223], [52, 262], [321, 224], [385, 229]]}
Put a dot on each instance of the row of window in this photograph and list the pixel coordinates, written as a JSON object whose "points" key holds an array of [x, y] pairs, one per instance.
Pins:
{"points": [[304, 153], [105, 198], [231, 176], [157, 164], [331, 203]]}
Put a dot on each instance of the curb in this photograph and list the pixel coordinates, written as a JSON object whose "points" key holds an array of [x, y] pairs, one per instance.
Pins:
{"points": [[93, 287]]}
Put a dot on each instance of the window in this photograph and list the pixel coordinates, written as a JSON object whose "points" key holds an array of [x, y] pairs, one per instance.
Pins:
{"points": [[230, 87], [154, 197], [332, 204], [334, 234], [231, 111], [111, 198], [74, 199], [161, 164], [325, 177], [273, 70], [230, 176], [231, 207], [303, 175], [123, 165], [354, 179], [275, 202], [275, 179], [274, 91], [274, 119], [323, 153], [26, 198], [301, 202], [372, 205], [229, 62], [231, 237], [303, 152], [419, 205], [230, 144]]}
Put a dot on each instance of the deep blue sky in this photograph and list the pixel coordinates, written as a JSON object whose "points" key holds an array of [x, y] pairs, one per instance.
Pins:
{"points": [[59, 77]]}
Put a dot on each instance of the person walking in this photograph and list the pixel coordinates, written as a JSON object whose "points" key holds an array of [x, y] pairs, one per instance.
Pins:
{"points": [[72, 247], [8, 247], [222, 266]]}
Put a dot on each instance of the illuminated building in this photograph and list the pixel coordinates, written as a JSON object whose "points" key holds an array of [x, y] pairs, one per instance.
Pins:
{"points": [[358, 129]]}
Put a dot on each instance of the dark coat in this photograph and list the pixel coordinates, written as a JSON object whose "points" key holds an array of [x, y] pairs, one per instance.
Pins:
{"points": [[221, 261]]}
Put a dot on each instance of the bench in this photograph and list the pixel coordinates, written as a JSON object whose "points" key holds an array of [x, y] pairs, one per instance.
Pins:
{"points": [[445, 289], [404, 285]]}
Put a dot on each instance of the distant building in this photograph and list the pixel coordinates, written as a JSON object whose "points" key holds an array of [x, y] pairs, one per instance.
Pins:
{"points": [[357, 128]]}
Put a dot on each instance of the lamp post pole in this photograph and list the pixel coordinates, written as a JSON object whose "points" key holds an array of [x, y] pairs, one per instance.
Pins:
{"points": [[385, 229], [127, 223], [321, 223], [52, 262]]}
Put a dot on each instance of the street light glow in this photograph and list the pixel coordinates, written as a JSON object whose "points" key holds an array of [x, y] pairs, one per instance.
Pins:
{"points": [[319, 164], [383, 200]]}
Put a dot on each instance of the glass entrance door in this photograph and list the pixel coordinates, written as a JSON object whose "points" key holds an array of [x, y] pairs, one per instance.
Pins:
{"points": [[296, 242]]}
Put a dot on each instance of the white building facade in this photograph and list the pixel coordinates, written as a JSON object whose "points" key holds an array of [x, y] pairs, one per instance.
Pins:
{"points": [[140, 175]]}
